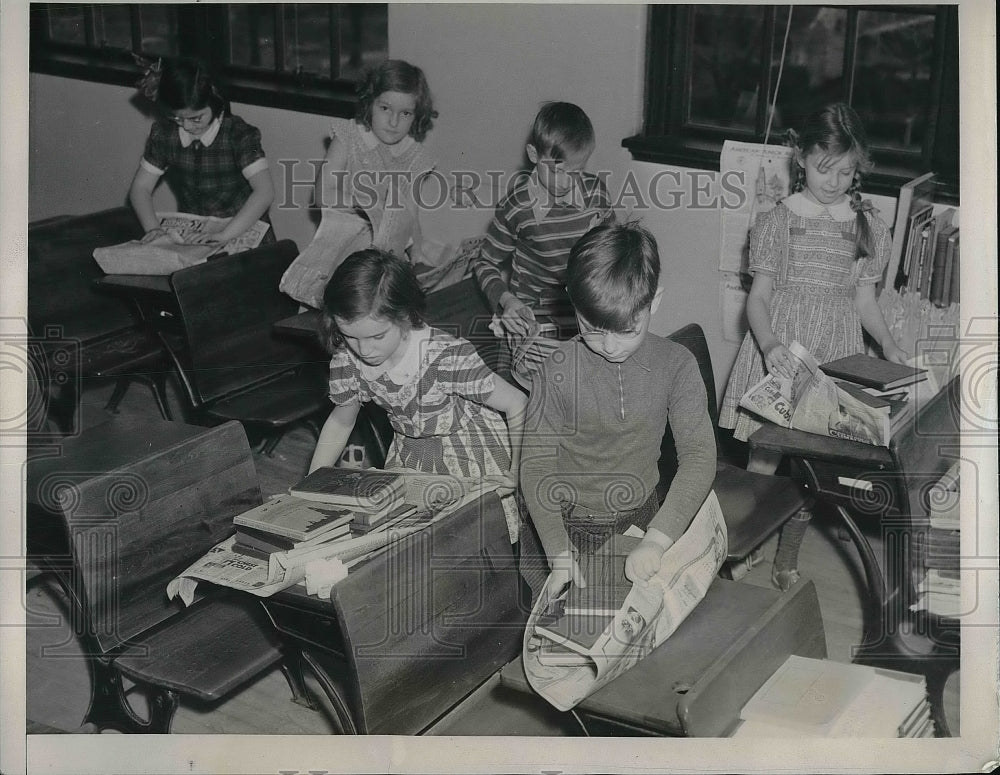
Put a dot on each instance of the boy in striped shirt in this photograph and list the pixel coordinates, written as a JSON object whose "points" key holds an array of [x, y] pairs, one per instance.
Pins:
{"points": [[522, 265]]}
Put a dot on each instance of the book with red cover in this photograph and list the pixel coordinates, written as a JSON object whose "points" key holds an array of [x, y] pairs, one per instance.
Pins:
{"points": [[865, 370]]}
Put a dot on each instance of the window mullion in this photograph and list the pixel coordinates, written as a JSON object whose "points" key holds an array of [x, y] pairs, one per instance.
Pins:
{"points": [[135, 27], [333, 17], [764, 85], [89, 22], [279, 37], [850, 54]]}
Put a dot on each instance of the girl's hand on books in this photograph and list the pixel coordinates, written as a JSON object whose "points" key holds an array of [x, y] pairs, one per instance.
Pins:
{"points": [[779, 360], [893, 352]]}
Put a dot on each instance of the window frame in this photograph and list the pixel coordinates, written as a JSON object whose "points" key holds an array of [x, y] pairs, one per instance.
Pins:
{"points": [[202, 30], [665, 139]]}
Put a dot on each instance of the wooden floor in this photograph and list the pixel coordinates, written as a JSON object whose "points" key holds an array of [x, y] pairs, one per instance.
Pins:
{"points": [[58, 684]]}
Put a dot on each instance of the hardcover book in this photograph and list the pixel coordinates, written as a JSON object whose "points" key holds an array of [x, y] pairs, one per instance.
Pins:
{"points": [[405, 513], [294, 518], [370, 489], [587, 611], [913, 196], [865, 370]]}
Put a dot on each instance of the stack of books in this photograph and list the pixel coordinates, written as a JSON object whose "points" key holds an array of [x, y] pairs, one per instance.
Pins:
{"points": [[572, 626], [285, 523], [819, 698], [880, 384], [374, 498], [329, 505], [939, 589]]}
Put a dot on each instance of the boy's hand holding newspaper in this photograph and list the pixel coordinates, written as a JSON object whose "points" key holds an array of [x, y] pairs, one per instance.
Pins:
{"points": [[644, 561], [565, 569]]}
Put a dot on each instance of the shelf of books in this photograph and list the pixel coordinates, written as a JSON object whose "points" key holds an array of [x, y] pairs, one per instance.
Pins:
{"points": [[921, 289]]}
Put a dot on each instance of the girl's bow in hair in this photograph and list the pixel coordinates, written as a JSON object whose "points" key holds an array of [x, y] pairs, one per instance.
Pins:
{"points": [[149, 84]]}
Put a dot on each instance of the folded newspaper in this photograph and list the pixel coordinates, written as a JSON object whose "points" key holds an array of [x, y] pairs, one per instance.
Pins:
{"points": [[324, 563], [811, 401], [173, 245], [648, 616]]}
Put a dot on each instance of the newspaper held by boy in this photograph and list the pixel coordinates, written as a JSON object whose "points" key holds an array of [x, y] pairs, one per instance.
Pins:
{"points": [[646, 618]]}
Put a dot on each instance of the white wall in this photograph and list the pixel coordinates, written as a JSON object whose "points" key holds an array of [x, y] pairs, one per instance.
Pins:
{"points": [[491, 66]]}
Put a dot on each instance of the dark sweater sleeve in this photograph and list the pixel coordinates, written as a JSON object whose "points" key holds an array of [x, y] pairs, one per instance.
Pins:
{"points": [[694, 439], [539, 454]]}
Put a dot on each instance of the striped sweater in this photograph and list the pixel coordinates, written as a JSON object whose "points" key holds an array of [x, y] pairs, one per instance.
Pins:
{"points": [[531, 247]]}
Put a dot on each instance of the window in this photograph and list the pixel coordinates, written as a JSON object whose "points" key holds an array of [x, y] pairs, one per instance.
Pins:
{"points": [[712, 71], [300, 56]]}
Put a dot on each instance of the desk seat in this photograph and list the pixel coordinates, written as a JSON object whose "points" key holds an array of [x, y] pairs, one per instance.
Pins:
{"points": [[696, 683]]}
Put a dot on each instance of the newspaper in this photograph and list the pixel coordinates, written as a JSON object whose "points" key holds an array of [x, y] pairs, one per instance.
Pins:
{"points": [[329, 561], [173, 247], [646, 619], [811, 401]]}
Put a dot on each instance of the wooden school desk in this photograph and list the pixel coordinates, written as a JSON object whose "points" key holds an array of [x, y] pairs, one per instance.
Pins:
{"points": [[891, 485], [414, 629]]}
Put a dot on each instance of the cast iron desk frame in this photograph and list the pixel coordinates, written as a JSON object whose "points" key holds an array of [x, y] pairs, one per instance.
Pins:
{"points": [[861, 481]]}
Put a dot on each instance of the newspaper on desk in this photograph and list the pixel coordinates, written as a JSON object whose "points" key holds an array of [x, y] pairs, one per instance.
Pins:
{"points": [[646, 619], [173, 247], [811, 401], [321, 566]]}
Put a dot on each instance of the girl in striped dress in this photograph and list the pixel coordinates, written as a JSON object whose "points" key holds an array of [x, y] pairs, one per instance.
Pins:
{"points": [[815, 259], [446, 406]]}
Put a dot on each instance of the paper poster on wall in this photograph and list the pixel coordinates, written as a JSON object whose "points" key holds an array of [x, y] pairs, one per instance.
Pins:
{"points": [[732, 304], [761, 173]]}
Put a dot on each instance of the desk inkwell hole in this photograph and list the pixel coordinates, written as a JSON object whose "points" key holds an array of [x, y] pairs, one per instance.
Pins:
{"points": [[681, 687]]}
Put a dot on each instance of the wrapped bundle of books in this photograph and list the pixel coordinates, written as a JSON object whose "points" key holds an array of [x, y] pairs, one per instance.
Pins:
{"points": [[819, 698], [578, 623]]}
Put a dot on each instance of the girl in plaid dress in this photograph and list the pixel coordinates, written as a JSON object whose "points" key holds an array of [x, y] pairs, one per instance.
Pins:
{"points": [[214, 159], [445, 405], [815, 260]]}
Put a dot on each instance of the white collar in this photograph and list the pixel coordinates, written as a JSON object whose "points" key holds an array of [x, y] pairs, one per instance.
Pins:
{"points": [[206, 139], [804, 207], [371, 141], [542, 200]]}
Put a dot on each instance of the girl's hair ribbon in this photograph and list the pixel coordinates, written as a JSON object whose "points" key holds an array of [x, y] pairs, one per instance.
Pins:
{"points": [[149, 84]]}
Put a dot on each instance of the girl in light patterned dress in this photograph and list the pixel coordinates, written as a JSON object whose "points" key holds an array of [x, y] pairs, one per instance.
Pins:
{"points": [[443, 402], [815, 259], [369, 182]]}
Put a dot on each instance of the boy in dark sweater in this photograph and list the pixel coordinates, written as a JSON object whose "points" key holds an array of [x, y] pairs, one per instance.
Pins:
{"points": [[596, 417]]}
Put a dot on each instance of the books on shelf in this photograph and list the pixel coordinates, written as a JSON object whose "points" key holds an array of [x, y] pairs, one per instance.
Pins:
{"points": [[915, 197], [940, 283], [294, 518], [881, 374], [820, 698], [367, 489]]}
